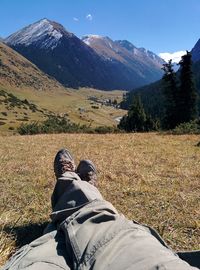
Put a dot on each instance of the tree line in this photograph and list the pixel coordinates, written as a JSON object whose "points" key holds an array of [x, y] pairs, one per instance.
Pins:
{"points": [[180, 101]]}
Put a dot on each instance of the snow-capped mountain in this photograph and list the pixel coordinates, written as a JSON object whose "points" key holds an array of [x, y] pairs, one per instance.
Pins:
{"points": [[95, 62], [60, 54], [174, 56], [44, 33], [89, 38]]}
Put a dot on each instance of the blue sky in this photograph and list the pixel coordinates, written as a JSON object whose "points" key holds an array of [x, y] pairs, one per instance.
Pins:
{"points": [[157, 25]]}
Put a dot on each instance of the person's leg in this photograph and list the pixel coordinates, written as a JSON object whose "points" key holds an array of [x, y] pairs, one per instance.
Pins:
{"points": [[47, 252], [100, 238], [71, 192]]}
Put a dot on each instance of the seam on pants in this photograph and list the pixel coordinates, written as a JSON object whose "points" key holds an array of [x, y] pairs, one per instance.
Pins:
{"points": [[90, 257], [73, 242]]}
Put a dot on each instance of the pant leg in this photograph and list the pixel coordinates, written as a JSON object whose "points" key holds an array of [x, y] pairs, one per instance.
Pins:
{"points": [[46, 253], [100, 238], [191, 257]]}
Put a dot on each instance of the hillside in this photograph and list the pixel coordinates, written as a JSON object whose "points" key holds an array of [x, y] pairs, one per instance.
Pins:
{"points": [[17, 71], [83, 106], [152, 98], [137, 173], [133, 62]]}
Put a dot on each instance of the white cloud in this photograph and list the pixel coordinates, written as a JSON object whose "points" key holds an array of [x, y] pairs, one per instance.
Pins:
{"points": [[89, 17], [176, 56], [75, 19]]}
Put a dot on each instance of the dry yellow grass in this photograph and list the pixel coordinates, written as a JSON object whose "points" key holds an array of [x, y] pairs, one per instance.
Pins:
{"points": [[151, 178], [74, 103]]}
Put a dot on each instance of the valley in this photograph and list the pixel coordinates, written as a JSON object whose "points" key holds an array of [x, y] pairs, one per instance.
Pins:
{"points": [[22, 84], [75, 104]]}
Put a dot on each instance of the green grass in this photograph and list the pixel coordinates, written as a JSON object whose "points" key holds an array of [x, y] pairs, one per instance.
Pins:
{"points": [[151, 178]]}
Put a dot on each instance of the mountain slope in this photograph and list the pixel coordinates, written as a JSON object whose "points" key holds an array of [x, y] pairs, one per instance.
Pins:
{"points": [[140, 62], [73, 63], [196, 52], [17, 71], [142, 54]]}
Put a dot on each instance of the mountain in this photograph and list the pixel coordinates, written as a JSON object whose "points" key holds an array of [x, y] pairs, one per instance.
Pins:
{"points": [[142, 54], [17, 71], [196, 52], [73, 63], [63, 55], [141, 63]]}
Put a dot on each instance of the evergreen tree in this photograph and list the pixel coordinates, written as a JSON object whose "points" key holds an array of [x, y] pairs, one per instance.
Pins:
{"points": [[125, 102], [170, 91], [136, 118], [187, 103]]}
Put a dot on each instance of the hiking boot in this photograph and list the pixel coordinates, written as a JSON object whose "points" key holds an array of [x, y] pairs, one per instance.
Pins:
{"points": [[87, 172], [63, 162]]}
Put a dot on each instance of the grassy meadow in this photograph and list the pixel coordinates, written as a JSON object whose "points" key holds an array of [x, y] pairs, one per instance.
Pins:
{"points": [[151, 178], [76, 104]]}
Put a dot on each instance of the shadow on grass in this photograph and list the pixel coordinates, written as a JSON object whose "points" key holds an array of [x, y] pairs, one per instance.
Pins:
{"points": [[26, 233]]}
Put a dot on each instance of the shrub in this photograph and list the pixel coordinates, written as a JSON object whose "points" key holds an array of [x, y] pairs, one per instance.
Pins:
{"points": [[29, 129], [54, 124], [192, 127], [106, 129], [57, 124], [95, 107]]}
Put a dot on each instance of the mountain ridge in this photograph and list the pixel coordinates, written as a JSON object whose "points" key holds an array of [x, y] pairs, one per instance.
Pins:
{"points": [[73, 63]]}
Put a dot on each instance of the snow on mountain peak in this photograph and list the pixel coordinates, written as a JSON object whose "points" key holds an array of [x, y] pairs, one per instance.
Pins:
{"points": [[89, 38], [175, 56], [45, 31]]}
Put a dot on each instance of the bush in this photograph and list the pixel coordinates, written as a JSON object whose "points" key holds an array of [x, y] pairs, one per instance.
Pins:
{"points": [[54, 124], [105, 129], [57, 124], [29, 129], [192, 127]]}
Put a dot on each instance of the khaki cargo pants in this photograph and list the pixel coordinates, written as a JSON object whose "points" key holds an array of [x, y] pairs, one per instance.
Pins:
{"points": [[87, 232]]}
